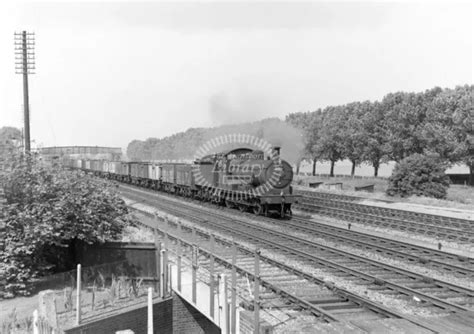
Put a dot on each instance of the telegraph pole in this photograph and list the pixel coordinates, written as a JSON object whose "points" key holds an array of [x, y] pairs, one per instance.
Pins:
{"points": [[25, 64]]}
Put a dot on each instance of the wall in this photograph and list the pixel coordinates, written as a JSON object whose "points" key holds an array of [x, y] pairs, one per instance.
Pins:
{"points": [[172, 315], [134, 318], [186, 319], [140, 258]]}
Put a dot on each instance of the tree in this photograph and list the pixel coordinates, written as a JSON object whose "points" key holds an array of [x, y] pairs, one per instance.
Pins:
{"points": [[312, 134], [405, 113], [135, 150], [375, 133], [10, 142], [49, 209], [301, 120], [419, 175], [355, 139], [331, 141], [306, 123], [449, 127]]}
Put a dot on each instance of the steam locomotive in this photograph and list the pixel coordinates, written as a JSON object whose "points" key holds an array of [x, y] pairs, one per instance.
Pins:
{"points": [[241, 178]]}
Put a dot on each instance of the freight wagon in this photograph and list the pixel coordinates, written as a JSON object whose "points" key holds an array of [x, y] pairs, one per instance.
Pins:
{"points": [[241, 178], [139, 173], [154, 174]]}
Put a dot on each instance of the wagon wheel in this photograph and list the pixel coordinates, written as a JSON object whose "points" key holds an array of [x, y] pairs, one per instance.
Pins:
{"points": [[229, 204], [242, 208], [257, 209]]}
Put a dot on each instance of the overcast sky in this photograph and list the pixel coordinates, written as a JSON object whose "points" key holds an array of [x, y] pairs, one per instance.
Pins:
{"points": [[108, 73]]}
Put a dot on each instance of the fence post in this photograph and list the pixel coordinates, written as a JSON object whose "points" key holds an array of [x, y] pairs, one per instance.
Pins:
{"points": [[162, 272], [35, 322], [211, 277], [150, 311], [166, 240], [180, 227], [165, 221], [233, 301], [195, 256], [225, 303], [256, 293], [78, 295], [170, 279], [178, 243], [167, 244], [157, 260]]}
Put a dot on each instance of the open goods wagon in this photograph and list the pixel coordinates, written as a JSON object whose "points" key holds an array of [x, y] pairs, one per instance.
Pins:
{"points": [[241, 178]]}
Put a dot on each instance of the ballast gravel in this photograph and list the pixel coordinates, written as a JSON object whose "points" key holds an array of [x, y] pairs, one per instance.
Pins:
{"points": [[402, 305]]}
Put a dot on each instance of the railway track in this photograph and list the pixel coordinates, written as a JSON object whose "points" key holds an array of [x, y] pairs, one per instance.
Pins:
{"points": [[444, 262], [434, 294], [273, 276], [284, 287], [345, 207], [388, 279]]}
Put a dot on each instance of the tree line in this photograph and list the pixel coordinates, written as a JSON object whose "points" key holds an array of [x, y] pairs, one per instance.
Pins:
{"points": [[184, 145], [434, 122]]}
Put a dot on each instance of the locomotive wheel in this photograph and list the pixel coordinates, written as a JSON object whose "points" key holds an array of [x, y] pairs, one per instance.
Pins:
{"points": [[257, 209]]}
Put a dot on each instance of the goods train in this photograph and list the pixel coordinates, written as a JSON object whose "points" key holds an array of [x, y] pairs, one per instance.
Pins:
{"points": [[240, 178]]}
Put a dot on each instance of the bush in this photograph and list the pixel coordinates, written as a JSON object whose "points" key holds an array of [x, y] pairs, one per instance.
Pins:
{"points": [[48, 209], [419, 175]]}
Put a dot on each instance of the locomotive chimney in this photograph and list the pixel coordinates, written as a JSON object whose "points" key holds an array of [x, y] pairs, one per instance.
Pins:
{"points": [[276, 151]]}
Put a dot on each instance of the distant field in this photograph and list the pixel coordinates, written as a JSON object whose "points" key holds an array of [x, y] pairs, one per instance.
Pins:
{"points": [[344, 168]]}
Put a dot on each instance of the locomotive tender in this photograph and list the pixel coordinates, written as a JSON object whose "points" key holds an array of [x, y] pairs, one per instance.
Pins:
{"points": [[241, 178]]}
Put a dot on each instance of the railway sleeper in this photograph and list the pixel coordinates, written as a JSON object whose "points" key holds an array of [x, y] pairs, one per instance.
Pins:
{"points": [[278, 278], [340, 306], [324, 300], [434, 291]]}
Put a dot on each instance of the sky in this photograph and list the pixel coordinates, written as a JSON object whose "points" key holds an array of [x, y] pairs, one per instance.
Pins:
{"points": [[111, 72]]}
